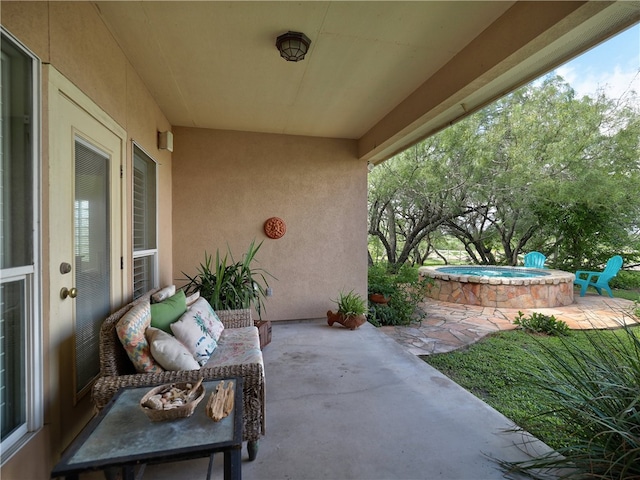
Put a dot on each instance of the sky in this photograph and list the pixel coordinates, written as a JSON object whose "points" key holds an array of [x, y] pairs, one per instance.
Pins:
{"points": [[613, 66]]}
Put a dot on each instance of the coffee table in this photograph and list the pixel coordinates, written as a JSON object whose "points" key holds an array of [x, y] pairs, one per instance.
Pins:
{"points": [[122, 436]]}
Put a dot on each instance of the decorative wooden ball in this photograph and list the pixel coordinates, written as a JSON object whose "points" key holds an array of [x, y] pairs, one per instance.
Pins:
{"points": [[275, 228]]}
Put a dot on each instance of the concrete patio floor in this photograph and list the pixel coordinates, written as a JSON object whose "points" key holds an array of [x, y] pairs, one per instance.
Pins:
{"points": [[360, 404], [450, 326], [347, 404]]}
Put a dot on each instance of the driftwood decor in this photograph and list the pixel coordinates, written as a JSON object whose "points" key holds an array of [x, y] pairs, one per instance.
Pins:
{"points": [[220, 402], [171, 401]]}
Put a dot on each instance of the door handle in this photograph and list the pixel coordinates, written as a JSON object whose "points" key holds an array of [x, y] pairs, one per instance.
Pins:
{"points": [[68, 292]]}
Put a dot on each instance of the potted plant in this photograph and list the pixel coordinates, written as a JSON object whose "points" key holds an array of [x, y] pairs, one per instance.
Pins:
{"points": [[381, 284], [352, 310], [230, 285]]}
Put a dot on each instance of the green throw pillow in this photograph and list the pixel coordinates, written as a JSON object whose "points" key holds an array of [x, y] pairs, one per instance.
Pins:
{"points": [[168, 311]]}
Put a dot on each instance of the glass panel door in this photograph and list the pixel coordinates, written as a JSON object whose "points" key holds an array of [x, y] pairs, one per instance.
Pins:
{"points": [[86, 240]]}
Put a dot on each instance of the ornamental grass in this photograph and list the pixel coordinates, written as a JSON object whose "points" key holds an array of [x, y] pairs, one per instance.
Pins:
{"points": [[595, 394]]}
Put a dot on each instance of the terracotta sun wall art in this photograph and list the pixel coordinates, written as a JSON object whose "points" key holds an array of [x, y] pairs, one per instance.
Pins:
{"points": [[275, 228]]}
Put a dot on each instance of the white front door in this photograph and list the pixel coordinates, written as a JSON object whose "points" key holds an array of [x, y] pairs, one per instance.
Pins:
{"points": [[86, 243]]}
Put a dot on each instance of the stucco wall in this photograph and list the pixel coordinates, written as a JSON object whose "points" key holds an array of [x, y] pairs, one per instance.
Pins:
{"points": [[226, 184], [73, 39]]}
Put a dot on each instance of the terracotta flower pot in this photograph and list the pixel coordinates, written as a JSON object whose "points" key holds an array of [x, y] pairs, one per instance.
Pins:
{"points": [[379, 298], [351, 322]]}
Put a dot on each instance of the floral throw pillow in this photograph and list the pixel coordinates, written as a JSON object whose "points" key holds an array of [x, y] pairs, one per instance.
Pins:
{"points": [[203, 309], [131, 328], [192, 332]]}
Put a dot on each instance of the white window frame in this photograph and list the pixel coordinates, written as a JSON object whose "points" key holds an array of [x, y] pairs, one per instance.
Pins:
{"points": [[31, 274], [145, 253]]}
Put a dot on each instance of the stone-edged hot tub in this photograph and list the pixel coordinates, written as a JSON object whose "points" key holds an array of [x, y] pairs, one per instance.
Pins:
{"points": [[504, 287]]}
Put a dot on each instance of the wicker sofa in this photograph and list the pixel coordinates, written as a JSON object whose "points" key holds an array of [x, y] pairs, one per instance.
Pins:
{"points": [[117, 371]]}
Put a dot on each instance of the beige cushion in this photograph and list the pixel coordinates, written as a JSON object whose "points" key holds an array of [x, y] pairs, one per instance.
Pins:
{"points": [[169, 352], [237, 346]]}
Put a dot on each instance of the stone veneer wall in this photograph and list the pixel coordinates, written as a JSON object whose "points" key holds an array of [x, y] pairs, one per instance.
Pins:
{"points": [[553, 290]]}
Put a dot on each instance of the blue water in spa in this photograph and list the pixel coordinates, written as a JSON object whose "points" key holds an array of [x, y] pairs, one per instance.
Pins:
{"points": [[483, 271]]}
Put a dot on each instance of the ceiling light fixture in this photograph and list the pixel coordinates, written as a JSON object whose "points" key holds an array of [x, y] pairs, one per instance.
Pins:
{"points": [[293, 46]]}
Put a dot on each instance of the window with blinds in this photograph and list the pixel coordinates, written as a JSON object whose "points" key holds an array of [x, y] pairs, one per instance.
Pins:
{"points": [[92, 251], [12, 351], [20, 320], [145, 246]]}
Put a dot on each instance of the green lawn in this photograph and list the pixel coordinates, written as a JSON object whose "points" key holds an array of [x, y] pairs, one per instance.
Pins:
{"points": [[500, 369], [633, 295]]}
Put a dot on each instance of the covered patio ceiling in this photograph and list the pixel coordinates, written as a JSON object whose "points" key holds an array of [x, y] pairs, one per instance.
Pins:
{"points": [[384, 73]]}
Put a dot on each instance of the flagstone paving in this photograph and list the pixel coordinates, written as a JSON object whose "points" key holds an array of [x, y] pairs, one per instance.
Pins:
{"points": [[449, 326]]}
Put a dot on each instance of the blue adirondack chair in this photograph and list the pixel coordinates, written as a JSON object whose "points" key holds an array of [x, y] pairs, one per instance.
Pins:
{"points": [[534, 260], [599, 280]]}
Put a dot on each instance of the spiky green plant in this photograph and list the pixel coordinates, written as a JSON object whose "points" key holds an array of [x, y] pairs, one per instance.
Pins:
{"points": [[351, 304], [228, 284], [596, 393]]}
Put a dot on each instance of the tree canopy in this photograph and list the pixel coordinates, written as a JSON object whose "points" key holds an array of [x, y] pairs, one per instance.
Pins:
{"points": [[537, 170]]}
